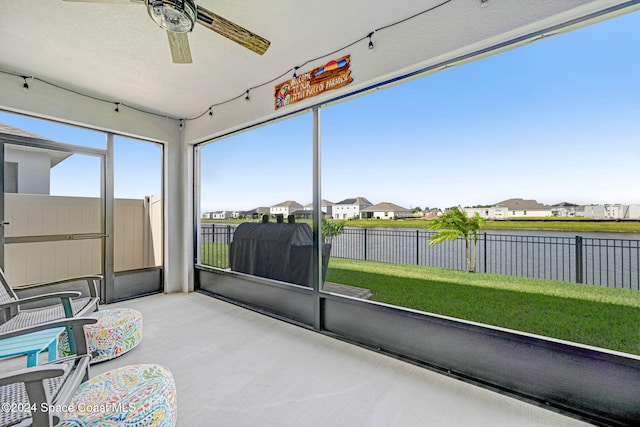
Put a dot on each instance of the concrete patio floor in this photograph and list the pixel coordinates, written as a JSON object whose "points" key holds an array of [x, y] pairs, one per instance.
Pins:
{"points": [[235, 367]]}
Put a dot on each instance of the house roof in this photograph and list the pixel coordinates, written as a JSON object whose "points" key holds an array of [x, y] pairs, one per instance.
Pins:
{"points": [[564, 205], [24, 135], [522, 205], [11, 130], [385, 207], [80, 58], [359, 201], [323, 202], [259, 209], [288, 204]]}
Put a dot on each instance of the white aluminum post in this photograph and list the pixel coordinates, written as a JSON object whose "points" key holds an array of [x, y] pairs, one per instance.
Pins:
{"points": [[316, 275]]}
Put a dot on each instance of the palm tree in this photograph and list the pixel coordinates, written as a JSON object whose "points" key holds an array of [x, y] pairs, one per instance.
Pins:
{"points": [[455, 223], [331, 229]]}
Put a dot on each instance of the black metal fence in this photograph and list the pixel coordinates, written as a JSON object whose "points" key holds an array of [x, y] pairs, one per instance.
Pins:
{"points": [[613, 263]]}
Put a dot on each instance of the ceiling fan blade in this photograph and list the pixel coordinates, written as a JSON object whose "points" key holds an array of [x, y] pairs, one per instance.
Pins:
{"points": [[179, 45], [232, 31]]}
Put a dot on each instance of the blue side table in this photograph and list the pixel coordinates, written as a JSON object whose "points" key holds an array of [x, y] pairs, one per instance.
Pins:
{"points": [[32, 345]]}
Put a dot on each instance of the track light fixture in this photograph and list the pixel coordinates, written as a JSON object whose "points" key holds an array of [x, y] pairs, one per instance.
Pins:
{"points": [[210, 112], [370, 41], [25, 86], [246, 98], [117, 109], [295, 72]]}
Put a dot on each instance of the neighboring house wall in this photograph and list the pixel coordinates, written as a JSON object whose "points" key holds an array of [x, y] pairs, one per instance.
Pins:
{"points": [[612, 211], [285, 208], [531, 213], [350, 208], [33, 170], [488, 213], [595, 211], [346, 211], [615, 211], [391, 215], [220, 215], [137, 236], [328, 209]]}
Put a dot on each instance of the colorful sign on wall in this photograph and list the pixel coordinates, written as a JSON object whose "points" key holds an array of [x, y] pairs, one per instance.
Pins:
{"points": [[333, 75]]}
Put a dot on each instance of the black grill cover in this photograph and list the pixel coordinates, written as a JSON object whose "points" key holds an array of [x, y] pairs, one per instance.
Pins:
{"points": [[276, 251]]}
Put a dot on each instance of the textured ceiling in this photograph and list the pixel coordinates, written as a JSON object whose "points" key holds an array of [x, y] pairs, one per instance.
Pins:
{"points": [[116, 53]]}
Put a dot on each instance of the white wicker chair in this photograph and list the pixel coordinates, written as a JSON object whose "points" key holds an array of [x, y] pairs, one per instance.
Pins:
{"points": [[29, 305], [49, 386]]}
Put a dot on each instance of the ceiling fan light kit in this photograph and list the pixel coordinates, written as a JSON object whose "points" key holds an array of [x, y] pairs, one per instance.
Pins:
{"points": [[178, 16]]}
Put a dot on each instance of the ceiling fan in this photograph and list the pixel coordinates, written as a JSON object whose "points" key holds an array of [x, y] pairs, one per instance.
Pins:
{"points": [[178, 17]]}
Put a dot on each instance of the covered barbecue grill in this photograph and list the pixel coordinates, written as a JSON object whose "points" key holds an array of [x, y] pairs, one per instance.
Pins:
{"points": [[276, 251]]}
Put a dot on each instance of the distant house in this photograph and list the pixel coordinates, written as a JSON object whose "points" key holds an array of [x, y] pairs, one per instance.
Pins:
{"points": [[613, 211], [490, 212], [27, 170], [350, 208], [525, 208], [285, 208], [595, 211], [256, 213], [567, 209], [385, 210], [221, 215], [325, 206]]}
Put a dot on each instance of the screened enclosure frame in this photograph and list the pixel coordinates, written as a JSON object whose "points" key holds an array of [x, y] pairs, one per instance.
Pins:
{"points": [[114, 286], [586, 382]]}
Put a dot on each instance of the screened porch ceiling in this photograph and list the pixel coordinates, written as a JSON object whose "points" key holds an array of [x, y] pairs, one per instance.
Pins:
{"points": [[81, 58]]}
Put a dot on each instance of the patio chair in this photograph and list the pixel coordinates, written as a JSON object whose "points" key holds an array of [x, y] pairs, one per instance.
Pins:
{"points": [[29, 305], [33, 396]]}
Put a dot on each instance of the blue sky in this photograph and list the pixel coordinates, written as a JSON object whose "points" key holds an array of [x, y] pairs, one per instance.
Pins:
{"points": [[137, 169], [556, 120]]}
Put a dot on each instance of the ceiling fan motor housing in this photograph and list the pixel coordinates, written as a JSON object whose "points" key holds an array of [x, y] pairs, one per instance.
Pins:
{"points": [[178, 16]]}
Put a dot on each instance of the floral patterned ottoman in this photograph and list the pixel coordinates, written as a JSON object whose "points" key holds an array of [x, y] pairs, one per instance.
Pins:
{"points": [[136, 395], [117, 331]]}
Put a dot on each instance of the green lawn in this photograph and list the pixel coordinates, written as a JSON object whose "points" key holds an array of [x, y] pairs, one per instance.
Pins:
{"points": [[587, 314], [215, 255]]}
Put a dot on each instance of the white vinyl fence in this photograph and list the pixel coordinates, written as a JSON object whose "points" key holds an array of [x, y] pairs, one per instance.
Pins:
{"points": [[137, 236]]}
